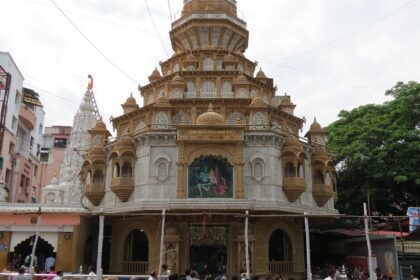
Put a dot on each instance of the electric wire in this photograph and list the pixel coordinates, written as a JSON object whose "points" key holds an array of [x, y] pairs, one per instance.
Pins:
{"points": [[154, 26], [93, 45], [170, 10], [345, 36]]}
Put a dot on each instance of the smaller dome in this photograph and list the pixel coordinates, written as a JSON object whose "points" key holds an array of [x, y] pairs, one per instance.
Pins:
{"points": [[229, 58], [130, 100], [191, 59], [261, 75], [100, 124], [97, 149], [126, 141], [177, 80], [155, 75], [291, 141], [162, 100], [210, 117], [257, 100], [285, 100], [241, 80], [54, 180], [315, 127]]}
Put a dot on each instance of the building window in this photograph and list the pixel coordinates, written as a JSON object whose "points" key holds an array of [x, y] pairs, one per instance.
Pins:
{"points": [[31, 143], [290, 170], [35, 170], [227, 89], [40, 128], [161, 120], [60, 143], [17, 97], [43, 157], [208, 64], [208, 89], [11, 148], [280, 247], [14, 123]]}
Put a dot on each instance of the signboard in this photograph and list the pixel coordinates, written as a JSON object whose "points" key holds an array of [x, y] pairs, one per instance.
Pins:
{"points": [[413, 213]]}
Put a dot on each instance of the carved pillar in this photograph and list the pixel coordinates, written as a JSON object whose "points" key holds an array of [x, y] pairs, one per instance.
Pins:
{"points": [[218, 86], [239, 178]]}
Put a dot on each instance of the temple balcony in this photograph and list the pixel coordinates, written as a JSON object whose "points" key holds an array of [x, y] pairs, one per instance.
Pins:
{"points": [[293, 187], [281, 267], [322, 193], [122, 187], [94, 192]]}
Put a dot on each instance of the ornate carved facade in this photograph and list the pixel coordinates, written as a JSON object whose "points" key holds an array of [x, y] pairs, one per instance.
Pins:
{"points": [[211, 137]]}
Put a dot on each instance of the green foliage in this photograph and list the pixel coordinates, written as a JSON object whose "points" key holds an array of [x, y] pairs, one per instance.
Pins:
{"points": [[377, 150]]}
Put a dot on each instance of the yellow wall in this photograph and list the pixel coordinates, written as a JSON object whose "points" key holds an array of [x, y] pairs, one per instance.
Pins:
{"points": [[64, 252], [3, 254]]}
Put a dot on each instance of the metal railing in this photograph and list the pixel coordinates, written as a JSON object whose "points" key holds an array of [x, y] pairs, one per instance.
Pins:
{"points": [[135, 267], [280, 267]]}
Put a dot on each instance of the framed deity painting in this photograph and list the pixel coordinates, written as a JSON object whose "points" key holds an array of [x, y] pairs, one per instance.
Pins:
{"points": [[210, 177]]}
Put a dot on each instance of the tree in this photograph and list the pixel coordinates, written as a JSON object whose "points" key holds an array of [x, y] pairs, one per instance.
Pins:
{"points": [[377, 150]]}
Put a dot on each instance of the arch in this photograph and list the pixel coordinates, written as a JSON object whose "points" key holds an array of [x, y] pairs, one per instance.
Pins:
{"points": [[98, 176], [116, 170], [289, 170], [136, 247], [161, 120], [241, 93], [301, 171], [162, 163], [126, 169], [177, 93], [211, 150], [43, 249], [234, 117], [257, 163], [208, 89], [258, 120], [210, 177], [328, 179], [280, 246], [318, 177]]}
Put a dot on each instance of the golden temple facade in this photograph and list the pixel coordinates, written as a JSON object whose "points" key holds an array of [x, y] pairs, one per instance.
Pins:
{"points": [[211, 141]]}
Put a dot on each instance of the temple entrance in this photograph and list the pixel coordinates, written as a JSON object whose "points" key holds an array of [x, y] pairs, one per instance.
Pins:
{"points": [[208, 250], [23, 250]]}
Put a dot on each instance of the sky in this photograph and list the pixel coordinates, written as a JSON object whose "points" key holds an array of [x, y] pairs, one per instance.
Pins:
{"points": [[329, 55]]}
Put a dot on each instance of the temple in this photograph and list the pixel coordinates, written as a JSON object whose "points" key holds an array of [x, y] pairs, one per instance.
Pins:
{"points": [[211, 141]]}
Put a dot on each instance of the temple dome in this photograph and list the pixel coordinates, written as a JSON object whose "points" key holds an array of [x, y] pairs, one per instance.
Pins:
{"points": [[131, 100], [155, 75], [210, 117], [177, 80], [261, 75], [315, 127], [97, 150]]}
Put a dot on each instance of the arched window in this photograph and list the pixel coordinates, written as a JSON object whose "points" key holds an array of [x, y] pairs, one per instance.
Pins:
{"points": [[190, 89], [116, 170], [300, 170], [241, 93], [127, 170], [161, 120], [98, 177], [208, 89], [259, 121], [208, 64], [328, 180], [177, 93], [318, 177], [88, 178], [236, 116], [280, 247], [137, 246], [227, 89], [289, 170]]}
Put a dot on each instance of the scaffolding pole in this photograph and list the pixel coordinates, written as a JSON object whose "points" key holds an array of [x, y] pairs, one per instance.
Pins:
{"points": [[100, 245], [38, 223], [247, 246], [370, 264], [308, 248], [162, 236]]}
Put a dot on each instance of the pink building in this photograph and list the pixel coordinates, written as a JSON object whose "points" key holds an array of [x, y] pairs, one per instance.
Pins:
{"points": [[21, 142], [55, 141]]}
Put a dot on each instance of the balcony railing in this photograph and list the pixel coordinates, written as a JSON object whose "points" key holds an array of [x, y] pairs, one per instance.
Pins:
{"points": [[122, 187], [135, 267], [280, 267], [294, 181]]}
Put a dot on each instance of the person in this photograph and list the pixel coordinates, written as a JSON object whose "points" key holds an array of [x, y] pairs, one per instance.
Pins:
{"points": [[194, 276], [243, 276], [414, 276], [92, 273], [204, 181], [187, 274], [220, 185], [50, 261], [330, 274], [165, 271], [21, 274], [51, 274], [378, 273], [37, 270], [152, 276], [59, 275], [28, 261]]}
